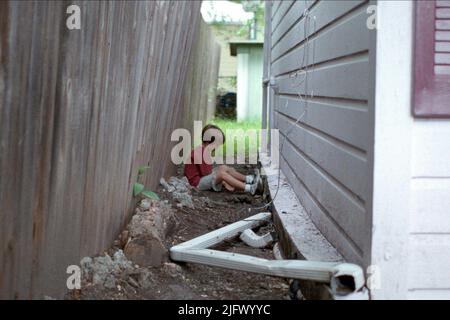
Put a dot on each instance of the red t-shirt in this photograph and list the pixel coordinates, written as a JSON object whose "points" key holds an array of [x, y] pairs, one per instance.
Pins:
{"points": [[194, 172]]}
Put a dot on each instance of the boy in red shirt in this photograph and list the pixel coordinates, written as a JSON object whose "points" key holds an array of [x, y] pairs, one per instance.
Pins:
{"points": [[202, 174]]}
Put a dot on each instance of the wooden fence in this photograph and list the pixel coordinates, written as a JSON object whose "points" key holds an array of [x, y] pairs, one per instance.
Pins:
{"points": [[80, 111], [201, 82]]}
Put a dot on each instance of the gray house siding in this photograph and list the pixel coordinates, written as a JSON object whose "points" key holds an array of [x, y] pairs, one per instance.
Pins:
{"points": [[327, 156]]}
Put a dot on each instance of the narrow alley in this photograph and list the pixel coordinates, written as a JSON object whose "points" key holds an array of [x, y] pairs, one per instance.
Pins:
{"points": [[224, 150], [113, 276]]}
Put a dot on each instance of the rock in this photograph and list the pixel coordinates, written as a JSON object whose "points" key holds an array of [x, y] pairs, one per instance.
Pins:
{"points": [[145, 279], [159, 222], [145, 204], [147, 232], [133, 282], [85, 265], [141, 225], [172, 269], [147, 251], [140, 278], [121, 260], [180, 190], [110, 282], [180, 184], [183, 198], [166, 186], [102, 270]]}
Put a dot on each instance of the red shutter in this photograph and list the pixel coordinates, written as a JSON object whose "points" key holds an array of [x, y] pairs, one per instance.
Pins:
{"points": [[432, 60]]}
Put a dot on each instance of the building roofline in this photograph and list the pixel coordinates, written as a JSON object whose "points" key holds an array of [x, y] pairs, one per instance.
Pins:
{"points": [[235, 44]]}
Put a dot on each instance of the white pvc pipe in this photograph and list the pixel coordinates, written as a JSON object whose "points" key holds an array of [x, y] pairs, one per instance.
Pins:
{"points": [[196, 251], [277, 251], [255, 241], [296, 269], [225, 233]]}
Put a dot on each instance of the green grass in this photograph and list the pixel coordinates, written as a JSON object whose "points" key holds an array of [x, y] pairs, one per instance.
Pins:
{"points": [[226, 125]]}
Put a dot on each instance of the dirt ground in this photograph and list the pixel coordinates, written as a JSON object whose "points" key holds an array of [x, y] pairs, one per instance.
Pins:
{"points": [[211, 211]]}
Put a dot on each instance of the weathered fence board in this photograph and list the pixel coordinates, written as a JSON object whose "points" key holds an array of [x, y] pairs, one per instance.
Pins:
{"points": [[80, 111], [200, 88]]}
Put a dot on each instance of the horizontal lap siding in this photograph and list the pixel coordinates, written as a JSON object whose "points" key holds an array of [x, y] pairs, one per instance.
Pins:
{"points": [[290, 17], [326, 12], [275, 6], [80, 111], [326, 156], [429, 225], [281, 11], [411, 217], [428, 262]]}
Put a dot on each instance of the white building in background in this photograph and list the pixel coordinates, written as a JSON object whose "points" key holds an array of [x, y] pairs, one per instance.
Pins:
{"points": [[249, 74]]}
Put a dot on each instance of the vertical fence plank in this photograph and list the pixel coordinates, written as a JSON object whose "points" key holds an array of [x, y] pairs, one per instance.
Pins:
{"points": [[80, 111]]}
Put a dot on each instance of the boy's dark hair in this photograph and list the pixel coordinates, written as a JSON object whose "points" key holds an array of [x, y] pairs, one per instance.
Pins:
{"points": [[210, 138]]}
